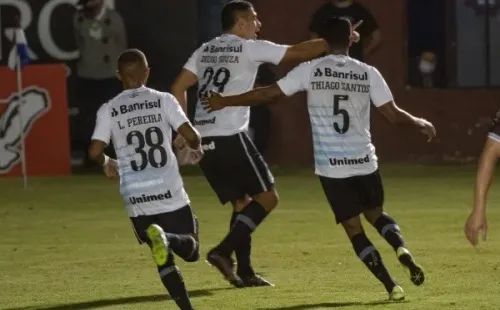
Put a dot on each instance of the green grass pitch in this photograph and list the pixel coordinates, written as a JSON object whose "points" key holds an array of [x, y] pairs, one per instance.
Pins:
{"points": [[66, 243]]}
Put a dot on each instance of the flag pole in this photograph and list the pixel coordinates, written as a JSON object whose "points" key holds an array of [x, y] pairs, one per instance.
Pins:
{"points": [[19, 111]]}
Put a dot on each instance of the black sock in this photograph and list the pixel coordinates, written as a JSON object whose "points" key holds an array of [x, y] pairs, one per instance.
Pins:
{"points": [[389, 229], [173, 282], [246, 222], [243, 252], [184, 245], [372, 259]]}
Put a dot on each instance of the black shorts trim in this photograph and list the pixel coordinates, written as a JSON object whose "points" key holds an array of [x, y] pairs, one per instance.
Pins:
{"points": [[234, 167], [349, 197], [181, 221]]}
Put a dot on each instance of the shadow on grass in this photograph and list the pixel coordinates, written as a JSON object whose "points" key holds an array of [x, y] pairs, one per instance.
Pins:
{"points": [[332, 305], [94, 304]]}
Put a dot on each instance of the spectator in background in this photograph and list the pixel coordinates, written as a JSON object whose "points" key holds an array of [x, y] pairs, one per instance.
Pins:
{"points": [[427, 67], [370, 37], [100, 37]]}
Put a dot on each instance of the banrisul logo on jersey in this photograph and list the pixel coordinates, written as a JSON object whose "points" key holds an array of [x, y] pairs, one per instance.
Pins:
{"points": [[16, 119], [329, 72], [146, 105]]}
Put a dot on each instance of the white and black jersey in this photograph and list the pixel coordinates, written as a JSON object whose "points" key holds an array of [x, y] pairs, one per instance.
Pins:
{"points": [[140, 123], [228, 65]]}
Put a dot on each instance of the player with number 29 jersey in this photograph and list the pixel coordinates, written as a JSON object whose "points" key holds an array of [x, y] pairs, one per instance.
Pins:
{"points": [[140, 123], [228, 64]]}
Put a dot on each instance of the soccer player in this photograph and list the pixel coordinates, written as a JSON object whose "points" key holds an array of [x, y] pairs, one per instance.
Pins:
{"points": [[476, 222], [339, 90], [232, 165], [140, 121]]}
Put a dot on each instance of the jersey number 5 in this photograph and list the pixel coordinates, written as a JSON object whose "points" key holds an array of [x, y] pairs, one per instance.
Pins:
{"points": [[338, 111], [217, 78], [149, 156]]}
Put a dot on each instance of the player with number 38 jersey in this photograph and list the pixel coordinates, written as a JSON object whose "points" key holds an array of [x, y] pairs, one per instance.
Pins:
{"points": [[140, 121]]}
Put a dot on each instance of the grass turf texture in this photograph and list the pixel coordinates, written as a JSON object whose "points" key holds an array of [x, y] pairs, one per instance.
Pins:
{"points": [[66, 243]]}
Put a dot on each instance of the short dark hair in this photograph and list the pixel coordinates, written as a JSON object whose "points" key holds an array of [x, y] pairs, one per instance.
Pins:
{"points": [[336, 31], [130, 57], [229, 15]]}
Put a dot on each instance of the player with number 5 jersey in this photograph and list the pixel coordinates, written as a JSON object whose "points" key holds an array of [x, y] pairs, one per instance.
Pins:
{"points": [[140, 121], [232, 165], [339, 95]]}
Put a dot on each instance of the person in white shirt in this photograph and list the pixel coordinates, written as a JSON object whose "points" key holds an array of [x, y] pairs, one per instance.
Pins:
{"points": [[339, 91], [140, 121], [232, 165]]}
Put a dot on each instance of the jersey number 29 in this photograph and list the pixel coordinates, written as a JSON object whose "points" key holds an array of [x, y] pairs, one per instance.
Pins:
{"points": [[338, 111], [154, 146], [217, 78]]}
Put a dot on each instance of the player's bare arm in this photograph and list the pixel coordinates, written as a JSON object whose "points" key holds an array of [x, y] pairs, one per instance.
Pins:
{"points": [[476, 222], [400, 117], [190, 134], [96, 153], [305, 51], [254, 97], [184, 81], [314, 48]]}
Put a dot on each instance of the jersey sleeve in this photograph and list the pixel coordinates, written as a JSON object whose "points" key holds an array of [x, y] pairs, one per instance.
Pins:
{"points": [[192, 63], [102, 131], [173, 110], [380, 92], [262, 51], [494, 132], [296, 80]]}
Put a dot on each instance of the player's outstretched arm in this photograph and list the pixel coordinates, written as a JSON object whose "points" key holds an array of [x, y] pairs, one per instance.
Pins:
{"points": [[305, 51], [185, 80], [190, 134], [400, 117], [254, 97], [476, 222]]}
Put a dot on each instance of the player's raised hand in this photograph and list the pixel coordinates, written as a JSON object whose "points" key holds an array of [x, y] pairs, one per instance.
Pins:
{"points": [[355, 37], [476, 223], [427, 129], [213, 102], [111, 169]]}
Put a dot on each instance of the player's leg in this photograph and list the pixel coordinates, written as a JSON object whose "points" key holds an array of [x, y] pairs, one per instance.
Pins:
{"points": [[181, 230], [244, 250], [343, 197], [371, 257], [387, 226], [170, 275], [254, 177]]}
